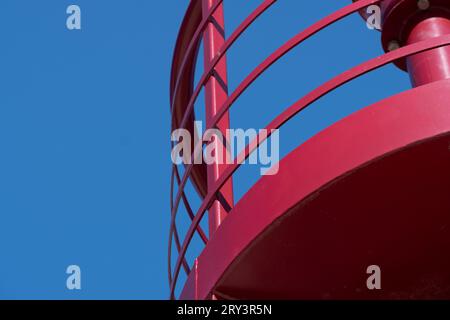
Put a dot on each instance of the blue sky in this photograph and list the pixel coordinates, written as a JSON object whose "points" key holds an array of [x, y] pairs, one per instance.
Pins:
{"points": [[85, 125]]}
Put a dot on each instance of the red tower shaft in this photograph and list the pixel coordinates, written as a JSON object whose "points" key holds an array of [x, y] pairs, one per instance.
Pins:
{"points": [[216, 93]]}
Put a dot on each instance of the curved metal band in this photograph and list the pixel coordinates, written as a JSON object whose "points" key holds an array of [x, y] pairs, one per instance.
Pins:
{"points": [[199, 229], [195, 39], [286, 48], [226, 46]]}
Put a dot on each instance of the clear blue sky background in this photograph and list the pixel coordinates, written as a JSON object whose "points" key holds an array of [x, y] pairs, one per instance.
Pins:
{"points": [[84, 130]]}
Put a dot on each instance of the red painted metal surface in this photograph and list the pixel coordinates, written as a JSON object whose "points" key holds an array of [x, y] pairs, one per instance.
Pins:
{"points": [[410, 21], [245, 248], [433, 65], [216, 93], [222, 252]]}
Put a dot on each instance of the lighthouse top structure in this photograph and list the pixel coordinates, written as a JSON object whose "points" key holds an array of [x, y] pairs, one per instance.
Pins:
{"points": [[329, 211], [406, 22]]}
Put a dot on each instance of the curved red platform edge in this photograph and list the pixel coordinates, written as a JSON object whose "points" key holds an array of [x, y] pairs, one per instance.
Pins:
{"points": [[360, 141]]}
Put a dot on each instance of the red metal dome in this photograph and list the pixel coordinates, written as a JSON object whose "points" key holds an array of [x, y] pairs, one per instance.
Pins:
{"points": [[371, 188]]}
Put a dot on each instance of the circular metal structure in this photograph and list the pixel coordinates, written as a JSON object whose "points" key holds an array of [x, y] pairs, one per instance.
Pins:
{"points": [[408, 21], [370, 189]]}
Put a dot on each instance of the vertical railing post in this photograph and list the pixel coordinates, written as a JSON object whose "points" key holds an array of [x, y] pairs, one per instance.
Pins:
{"points": [[433, 65], [216, 93]]}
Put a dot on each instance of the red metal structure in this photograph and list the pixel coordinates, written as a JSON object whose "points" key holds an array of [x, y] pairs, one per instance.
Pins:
{"points": [[373, 188]]}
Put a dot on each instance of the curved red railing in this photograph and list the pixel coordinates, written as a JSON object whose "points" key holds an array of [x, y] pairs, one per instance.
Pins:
{"points": [[281, 119]]}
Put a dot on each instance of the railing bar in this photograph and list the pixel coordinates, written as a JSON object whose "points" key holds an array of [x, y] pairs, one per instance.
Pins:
{"points": [[198, 33], [286, 48], [175, 233], [190, 211], [226, 46], [177, 244], [169, 257]]}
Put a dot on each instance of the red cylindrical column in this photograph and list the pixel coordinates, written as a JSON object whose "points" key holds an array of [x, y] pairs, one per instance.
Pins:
{"points": [[432, 65], [216, 93]]}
